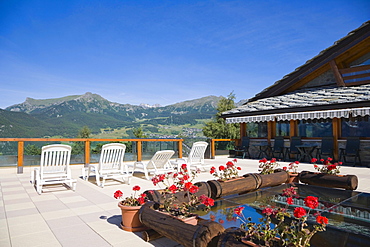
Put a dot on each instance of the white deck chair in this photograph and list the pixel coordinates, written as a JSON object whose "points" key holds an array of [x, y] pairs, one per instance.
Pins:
{"points": [[110, 164], [196, 157], [158, 164], [54, 167]]}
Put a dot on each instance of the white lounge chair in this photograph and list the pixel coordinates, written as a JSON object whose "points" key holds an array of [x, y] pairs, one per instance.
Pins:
{"points": [[110, 165], [54, 167], [195, 160], [158, 164]]}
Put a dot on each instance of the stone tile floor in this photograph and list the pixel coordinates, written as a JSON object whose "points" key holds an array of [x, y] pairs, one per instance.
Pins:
{"points": [[90, 215]]}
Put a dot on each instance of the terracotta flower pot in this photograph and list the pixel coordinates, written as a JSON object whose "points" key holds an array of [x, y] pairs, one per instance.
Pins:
{"points": [[130, 218]]}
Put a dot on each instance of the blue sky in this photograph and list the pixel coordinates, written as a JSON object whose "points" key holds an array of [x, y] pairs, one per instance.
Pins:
{"points": [[162, 51]]}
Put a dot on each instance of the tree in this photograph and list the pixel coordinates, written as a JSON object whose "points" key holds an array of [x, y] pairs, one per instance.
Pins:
{"points": [[79, 147], [138, 133], [217, 128]]}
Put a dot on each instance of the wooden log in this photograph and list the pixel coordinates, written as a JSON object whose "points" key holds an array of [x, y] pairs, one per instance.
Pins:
{"points": [[175, 229], [348, 182], [278, 177], [246, 183], [150, 235]]}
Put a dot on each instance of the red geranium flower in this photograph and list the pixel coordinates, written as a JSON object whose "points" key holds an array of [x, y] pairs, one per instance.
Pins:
{"points": [[313, 160], [221, 168], [118, 194], [194, 189], [322, 220], [299, 212], [173, 188], [311, 202], [184, 167], [268, 211], [289, 200], [229, 164], [136, 188], [238, 210]]}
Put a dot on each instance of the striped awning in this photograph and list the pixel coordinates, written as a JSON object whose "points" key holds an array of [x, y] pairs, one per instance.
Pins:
{"points": [[302, 115]]}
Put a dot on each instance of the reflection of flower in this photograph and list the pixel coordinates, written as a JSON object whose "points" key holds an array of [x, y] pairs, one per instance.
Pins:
{"points": [[292, 232], [181, 182], [327, 166], [131, 200], [292, 167], [226, 172], [267, 167]]}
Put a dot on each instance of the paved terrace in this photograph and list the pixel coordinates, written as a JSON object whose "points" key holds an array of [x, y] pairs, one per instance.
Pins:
{"points": [[90, 216]]}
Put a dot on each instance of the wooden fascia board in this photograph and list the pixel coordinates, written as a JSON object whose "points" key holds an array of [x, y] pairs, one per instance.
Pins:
{"points": [[322, 60]]}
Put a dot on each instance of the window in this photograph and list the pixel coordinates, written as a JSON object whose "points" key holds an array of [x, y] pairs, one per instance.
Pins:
{"points": [[282, 128], [315, 128], [357, 126], [257, 129]]}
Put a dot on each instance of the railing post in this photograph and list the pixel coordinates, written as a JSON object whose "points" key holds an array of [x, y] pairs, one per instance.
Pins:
{"points": [[139, 150], [87, 152], [180, 148], [213, 149], [20, 157]]}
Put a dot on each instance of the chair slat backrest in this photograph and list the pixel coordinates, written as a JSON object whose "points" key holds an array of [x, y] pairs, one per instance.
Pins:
{"points": [[278, 143], [245, 142], [55, 158], [160, 159], [197, 151], [111, 157], [352, 145], [327, 145], [295, 140]]}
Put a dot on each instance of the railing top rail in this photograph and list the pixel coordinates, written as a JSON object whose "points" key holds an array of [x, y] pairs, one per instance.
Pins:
{"points": [[88, 139]]}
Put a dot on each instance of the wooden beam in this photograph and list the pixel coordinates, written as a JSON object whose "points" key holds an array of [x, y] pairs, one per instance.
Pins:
{"points": [[337, 74], [336, 135]]}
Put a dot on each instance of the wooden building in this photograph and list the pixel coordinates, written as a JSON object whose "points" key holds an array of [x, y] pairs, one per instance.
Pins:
{"points": [[327, 96]]}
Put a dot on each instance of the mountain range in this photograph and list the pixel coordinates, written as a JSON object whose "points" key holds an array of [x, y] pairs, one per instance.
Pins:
{"points": [[65, 116]]}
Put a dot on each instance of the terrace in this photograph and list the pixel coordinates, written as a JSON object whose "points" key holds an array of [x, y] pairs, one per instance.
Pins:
{"points": [[90, 215]]}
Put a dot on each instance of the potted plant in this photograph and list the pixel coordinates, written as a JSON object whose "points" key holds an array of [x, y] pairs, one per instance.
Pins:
{"points": [[227, 172], [130, 207], [293, 172], [267, 167], [327, 175], [180, 194], [280, 227]]}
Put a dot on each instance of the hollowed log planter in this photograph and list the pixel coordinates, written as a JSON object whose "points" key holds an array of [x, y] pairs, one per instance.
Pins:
{"points": [[348, 182], [179, 197], [175, 229], [249, 182]]}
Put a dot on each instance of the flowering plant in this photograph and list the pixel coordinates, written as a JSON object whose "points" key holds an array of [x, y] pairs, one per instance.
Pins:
{"points": [[292, 232], [327, 166], [292, 167], [267, 167], [226, 172], [131, 200], [180, 186]]}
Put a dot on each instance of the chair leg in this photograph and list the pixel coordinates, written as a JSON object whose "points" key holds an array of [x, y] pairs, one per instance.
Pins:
{"points": [[146, 174], [97, 177], [102, 183]]}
